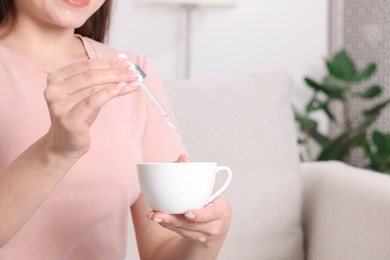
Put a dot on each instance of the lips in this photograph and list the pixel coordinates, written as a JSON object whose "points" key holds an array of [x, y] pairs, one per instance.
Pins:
{"points": [[77, 3]]}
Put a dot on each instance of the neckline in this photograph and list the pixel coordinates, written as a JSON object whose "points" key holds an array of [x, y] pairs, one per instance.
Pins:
{"points": [[32, 68]]}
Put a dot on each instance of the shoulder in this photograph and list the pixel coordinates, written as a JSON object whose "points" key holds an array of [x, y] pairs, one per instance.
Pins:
{"points": [[100, 50]]}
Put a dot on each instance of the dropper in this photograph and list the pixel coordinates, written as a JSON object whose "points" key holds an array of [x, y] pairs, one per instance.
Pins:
{"points": [[157, 104]]}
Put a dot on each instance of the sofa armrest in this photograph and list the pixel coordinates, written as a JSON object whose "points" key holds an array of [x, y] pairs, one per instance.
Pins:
{"points": [[346, 212]]}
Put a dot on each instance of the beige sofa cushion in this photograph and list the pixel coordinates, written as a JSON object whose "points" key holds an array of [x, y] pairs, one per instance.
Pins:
{"points": [[346, 212], [245, 122]]}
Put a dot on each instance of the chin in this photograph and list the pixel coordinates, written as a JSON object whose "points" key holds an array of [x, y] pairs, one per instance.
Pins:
{"points": [[67, 16], [69, 19], [66, 24]]}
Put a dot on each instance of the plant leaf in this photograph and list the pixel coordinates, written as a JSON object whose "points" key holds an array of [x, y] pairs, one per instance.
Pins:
{"points": [[358, 139], [366, 72], [309, 126], [330, 115], [312, 83], [380, 142], [376, 109], [342, 67], [314, 104], [374, 162], [368, 120], [320, 138], [371, 92], [333, 89], [328, 87], [336, 149]]}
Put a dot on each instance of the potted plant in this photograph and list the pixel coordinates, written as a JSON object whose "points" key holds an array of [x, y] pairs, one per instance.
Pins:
{"points": [[338, 86]]}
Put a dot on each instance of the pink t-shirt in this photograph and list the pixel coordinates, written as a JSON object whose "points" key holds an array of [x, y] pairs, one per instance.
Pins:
{"points": [[86, 216]]}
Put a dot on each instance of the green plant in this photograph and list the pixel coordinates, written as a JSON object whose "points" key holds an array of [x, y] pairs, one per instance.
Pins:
{"points": [[338, 86]]}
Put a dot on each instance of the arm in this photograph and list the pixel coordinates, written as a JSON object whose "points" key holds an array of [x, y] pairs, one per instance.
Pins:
{"points": [[198, 234], [74, 95], [26, 183]]}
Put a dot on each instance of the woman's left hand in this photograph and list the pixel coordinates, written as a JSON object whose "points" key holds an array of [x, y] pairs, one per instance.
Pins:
{"points": [[206, 225]]}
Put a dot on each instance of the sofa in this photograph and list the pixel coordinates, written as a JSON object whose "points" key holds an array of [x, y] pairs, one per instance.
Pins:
{"points": [[283, 209]]}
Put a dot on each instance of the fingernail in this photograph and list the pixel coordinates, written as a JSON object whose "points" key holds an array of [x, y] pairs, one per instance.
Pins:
{"points": [[190, 215], [126, 62], [157, 220], [149, 215], [132, 67], [123, 56]]}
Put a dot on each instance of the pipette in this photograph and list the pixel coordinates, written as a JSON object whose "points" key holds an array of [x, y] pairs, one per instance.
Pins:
{"points": [[157, 104]]}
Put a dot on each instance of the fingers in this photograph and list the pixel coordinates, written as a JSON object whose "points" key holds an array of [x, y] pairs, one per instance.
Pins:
{"points": [[177, 222], [83, 94], [201, 232], [85, 74], [88, 65], [215, 211], [204, 225], [83, 110], [183, 158], [91, 78], [211, 212], [74, 83]]}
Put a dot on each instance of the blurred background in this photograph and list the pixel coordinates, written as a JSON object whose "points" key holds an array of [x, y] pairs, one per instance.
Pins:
{"points": [[248, 36], [188, 39]]}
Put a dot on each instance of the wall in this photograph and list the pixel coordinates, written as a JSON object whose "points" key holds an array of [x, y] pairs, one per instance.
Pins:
{"points": [[364, 32], [255, 34]]}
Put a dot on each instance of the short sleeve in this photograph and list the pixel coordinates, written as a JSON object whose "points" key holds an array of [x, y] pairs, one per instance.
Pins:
{"points": [[161, 143]]}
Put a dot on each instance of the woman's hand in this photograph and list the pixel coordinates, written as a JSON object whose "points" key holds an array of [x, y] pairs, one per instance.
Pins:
{"points": [[74, 96], [206, 225]]}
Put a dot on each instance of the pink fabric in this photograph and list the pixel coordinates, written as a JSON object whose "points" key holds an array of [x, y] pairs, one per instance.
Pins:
{"points": [[86, 216]]}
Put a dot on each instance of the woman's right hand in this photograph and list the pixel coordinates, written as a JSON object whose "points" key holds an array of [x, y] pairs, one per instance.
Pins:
{"points": [[74, 96]]}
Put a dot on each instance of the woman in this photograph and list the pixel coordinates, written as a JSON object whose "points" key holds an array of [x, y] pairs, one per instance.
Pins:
{"points": [[73, 126]]}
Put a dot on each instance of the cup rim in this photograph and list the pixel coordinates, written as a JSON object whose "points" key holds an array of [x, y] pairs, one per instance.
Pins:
{"points": [[174, 163]]}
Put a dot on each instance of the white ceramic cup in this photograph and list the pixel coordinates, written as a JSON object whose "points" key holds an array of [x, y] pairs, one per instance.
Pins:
{"points": [[177, 187]]}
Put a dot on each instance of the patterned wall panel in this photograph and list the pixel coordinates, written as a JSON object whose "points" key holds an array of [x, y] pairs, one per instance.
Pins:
{"points": [[366, 36]]}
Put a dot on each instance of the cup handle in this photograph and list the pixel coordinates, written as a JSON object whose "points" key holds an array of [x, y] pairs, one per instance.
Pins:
{"points": [[225, 185]]}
